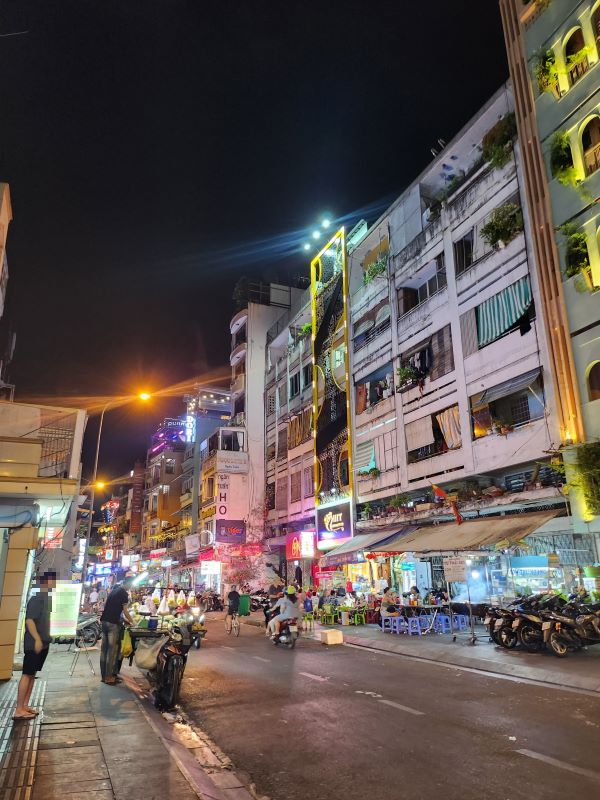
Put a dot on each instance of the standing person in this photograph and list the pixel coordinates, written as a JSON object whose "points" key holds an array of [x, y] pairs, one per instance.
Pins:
{"points": [[93, 599], [233, 606], [115, 606], [36, 643]]}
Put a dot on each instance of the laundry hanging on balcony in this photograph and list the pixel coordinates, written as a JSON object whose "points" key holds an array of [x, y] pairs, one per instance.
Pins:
{"points": [[449, 422], [498, 314]]}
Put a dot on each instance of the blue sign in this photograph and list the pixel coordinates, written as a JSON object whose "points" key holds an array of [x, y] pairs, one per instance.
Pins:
{"points": [[230, 531]]}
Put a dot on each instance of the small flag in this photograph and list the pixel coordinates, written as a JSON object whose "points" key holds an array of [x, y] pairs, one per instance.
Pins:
{"points": [[439, 492], [456, 512]]}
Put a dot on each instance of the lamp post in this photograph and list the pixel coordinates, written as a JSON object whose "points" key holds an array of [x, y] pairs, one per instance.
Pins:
{"points": [[144, 396]]}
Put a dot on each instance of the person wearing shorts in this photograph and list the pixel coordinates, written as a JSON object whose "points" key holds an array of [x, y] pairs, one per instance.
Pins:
{"points": [[35, 644], [233, 606]]}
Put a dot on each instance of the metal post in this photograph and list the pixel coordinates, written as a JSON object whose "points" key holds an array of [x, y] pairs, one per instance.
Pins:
{"points": [[92, 496]]}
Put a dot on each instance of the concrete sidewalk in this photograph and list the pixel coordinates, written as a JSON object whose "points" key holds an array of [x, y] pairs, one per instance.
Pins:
{"points": [[98, 742], [577, 671]]}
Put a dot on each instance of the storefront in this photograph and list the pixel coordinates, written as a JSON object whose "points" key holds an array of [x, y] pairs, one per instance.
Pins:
{"points": [[300, 552], [358, 560]]}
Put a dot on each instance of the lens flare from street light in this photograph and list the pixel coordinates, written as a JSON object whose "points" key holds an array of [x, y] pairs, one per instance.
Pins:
{"points": [[306, 246], [100, 485], [326, 223], [144, 396], [316, 234]]}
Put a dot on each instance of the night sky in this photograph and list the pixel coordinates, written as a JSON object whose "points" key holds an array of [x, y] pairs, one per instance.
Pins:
{"points": [[149, 144]]}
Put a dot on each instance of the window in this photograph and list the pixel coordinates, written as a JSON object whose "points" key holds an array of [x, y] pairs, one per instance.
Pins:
{"points": [[407, 300], [590, 140], [232, 441], [433, 434], [271, 403], [153, 502], [282, 443], [507, 405], [281, 494], [308, 477], [377, 386], [295, 486], [338, 357], [169, 466], [294, 384], [209, 489], [307, 373], [463, 253], [576, 56], [594, 382], [281, 395], [270, 496], [165, 488], [270, 451], [509, 310], [432, 286]]}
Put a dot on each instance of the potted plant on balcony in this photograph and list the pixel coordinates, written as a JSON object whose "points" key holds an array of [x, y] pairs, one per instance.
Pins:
{"points": [[367, 510], [545, 71], [577, 260], [375, 269], [497, 144], [398, 502], [506, 222], [561, 160], [406, 375], [374, 473]]}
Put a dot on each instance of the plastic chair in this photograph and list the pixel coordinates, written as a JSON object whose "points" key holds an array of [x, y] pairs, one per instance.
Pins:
{"points": [[359, 617], [329, 615], [309, 620]]}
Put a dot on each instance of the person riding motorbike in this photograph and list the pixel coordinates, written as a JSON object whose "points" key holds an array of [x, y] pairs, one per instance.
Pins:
{"points": [[288, 609]]}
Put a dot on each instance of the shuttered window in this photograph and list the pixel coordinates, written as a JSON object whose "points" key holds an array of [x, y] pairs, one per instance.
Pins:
{"points": [[309, 486], [442, 353], [364, 458], [295, 486]]}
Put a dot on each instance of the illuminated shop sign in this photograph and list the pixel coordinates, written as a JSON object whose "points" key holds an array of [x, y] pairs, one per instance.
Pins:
{"points": [[334, 525], [300, 544]]}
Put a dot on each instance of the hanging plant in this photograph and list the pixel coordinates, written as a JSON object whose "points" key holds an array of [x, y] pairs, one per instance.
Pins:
{"points": [[399, 500], [588, 478], [407, 374], [576, 253], [545, 71], [497, 144], [504, 224], [561, 160], [305, 330], [375, 269], [576, 58]]}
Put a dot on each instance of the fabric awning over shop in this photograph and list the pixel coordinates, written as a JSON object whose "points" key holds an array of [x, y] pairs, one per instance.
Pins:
{"points": [[509, 387], [362, 541], [471, 535], [501, 312]]}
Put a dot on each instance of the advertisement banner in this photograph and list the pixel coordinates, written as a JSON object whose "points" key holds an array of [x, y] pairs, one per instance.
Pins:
{"points": [[334, 525], [300, 544], [192, 545], [230, 531], [66, 601]]}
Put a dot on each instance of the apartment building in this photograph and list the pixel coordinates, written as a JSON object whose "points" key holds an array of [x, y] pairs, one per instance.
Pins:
{"points": [[452, 383], [554, 58], [289, 453]]}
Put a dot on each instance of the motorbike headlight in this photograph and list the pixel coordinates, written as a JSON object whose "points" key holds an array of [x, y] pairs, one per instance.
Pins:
{"points": [[202, 618]]}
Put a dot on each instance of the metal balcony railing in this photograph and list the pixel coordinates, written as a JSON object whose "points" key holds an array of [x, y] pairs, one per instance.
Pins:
{"points": [[592, 159]]}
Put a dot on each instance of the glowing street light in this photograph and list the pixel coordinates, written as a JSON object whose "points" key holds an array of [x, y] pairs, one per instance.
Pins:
{"points": [[100, 485], [316, 234], [326, 223], [144, 396], [306, 246]]}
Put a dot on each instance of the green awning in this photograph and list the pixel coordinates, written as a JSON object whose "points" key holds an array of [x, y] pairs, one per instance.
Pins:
{"points": [[496, 315]]}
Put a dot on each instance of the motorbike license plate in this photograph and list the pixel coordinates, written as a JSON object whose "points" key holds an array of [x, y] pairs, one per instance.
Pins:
{"points": [[546, 626], [487, 620], [499, 623], [293, 629], [516, 623]]}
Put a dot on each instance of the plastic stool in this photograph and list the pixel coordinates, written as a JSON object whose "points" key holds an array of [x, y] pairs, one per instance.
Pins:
{"points": [[461, 621], [387, 626], [397, 624], [414, 626], [442, 623]]}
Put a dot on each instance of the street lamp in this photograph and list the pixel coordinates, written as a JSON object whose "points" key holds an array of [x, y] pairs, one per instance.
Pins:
{"points": [[95, 483]]}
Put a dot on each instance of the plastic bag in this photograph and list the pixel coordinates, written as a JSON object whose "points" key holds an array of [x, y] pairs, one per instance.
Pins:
{"points": [[181, 598], [156, 596], [126, 646], [147, 650], [164, 606], [191, 599]]}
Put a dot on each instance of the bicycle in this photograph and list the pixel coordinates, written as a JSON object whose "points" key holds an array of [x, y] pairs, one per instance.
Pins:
{"points": [[235, 625]]}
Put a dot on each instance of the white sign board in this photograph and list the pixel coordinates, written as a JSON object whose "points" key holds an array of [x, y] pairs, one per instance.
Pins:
{"points": [[455, 569], [66, 602]]}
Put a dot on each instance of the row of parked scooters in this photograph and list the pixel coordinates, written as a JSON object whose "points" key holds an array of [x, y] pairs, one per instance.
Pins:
{"points": [[545, 620]]}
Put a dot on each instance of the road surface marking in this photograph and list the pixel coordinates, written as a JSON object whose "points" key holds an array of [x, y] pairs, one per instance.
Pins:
{"points": [[260, 658], [227, 647], [403, 708], [313, 677], [554, 762]]}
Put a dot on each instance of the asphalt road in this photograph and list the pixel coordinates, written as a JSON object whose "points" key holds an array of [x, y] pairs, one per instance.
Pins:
{"points": [[322, 723]]}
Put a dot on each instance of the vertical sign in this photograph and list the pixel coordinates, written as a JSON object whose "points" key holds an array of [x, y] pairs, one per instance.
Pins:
{"points": [[331, 403], [137, 499]]}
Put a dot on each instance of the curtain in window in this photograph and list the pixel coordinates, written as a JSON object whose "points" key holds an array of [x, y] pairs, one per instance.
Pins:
{"points": [[441, 353], [449, 422], [468, 332], [501, 312], [419, 433], [361, 398]]}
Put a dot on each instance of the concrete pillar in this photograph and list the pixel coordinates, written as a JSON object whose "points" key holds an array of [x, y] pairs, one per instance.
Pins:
{"points": [[19, 545]]}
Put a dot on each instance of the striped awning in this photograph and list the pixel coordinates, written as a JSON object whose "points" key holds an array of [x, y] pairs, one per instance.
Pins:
{"points": [[496, 315], [509, 387], [364, 456]]}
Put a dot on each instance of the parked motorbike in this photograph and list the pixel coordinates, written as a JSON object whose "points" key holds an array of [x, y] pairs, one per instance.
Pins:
{"points": [[196, 619], [170, 666], [257, 600], [87, 633], [571, 627], [499, 622], [288, 634]]}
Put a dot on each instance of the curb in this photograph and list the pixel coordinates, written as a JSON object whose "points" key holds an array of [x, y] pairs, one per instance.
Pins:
{"points": [[192, 752]]}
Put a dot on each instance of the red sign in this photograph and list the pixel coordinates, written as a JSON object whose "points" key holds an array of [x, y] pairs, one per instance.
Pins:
{"points": [[53, 537], [162, 551], [300, 544], [207, 555]]}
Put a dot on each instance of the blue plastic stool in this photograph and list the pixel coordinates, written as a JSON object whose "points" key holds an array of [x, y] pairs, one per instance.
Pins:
{"points": [[414, 626], [397, 624], [442, 623], [387, 626], [461, 621]]}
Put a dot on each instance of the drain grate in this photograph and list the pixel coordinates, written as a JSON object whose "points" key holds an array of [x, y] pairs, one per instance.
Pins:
{"points": [[18, 743]]}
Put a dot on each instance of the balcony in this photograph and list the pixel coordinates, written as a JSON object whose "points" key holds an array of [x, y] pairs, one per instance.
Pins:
{"points": [[185, 499], [238, 321], [238, 354], [239, 384], [591, 159]]}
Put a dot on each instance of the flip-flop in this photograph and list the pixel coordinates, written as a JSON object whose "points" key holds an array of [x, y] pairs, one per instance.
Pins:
{"points": [[18, 717], [33, 711]]}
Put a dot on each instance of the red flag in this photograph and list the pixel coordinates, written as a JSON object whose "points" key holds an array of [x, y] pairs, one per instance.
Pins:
{"points": [[456, 512], [439, 492]]}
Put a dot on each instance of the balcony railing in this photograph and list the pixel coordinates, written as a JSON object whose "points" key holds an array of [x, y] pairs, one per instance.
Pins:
{"points": [[592, 159], [430, 450], [577, 71]]}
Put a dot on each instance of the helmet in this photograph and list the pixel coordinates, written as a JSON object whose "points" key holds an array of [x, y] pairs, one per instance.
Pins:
{"points": [[291, 590]]}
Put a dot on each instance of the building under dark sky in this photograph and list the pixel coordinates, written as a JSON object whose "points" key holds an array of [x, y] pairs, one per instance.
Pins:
{"points": [[149, 144]]}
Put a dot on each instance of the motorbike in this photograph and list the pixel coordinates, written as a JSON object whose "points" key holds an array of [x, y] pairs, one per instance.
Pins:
{"points": [[257, 600], [196, 619], [571, 627], [170, 666], [499, 621], [288, 634], [213, 602], [87, 633]]}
